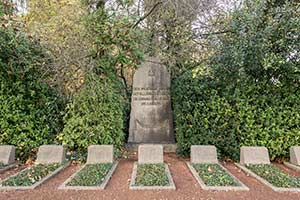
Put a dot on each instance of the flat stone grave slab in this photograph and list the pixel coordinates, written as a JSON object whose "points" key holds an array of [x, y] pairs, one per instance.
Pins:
{"points": [[259, 156], [239, 186], [133, 186], [254, 155], [294, 158], [100, 186], [100, 154], [264, 181], [207, 154], [48, 154], [7, 157], [150, 154], [46, 178]]}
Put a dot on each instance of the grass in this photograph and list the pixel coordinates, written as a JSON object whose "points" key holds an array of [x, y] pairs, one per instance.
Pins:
{"points": [[151, 175], [275, 175], [214, 175], [91, 175], [31, 176]]}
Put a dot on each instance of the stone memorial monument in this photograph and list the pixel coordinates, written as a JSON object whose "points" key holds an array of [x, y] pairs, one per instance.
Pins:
{"points": [[151, 114]]}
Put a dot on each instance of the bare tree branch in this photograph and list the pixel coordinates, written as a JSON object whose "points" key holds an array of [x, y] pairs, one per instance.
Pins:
{"points": [[146, 15]]}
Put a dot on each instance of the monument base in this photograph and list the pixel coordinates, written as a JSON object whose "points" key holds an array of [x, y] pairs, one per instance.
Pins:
{"points": [[168, 147]]}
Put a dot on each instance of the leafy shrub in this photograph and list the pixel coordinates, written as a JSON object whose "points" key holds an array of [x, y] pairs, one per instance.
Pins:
{"points": [[232, 116], [268, 116], [29, 109], [202, 116], [6, 7], [94, 116], [250, 95], [261, 44]]}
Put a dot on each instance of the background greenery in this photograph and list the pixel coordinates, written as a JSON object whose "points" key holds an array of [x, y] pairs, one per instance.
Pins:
{"points": [[249, 94], [30, 111], [94, 116], [67, 67]]}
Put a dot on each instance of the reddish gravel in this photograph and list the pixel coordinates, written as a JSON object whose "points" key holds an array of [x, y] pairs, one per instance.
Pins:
{"points": [[117, 188]]}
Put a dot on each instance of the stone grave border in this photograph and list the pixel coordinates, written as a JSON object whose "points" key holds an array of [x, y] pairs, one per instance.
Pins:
{"points": [[265, 182], [46, 178], [102, 186], [8, 167], [132, 185], [292, 166], [240, 187]]}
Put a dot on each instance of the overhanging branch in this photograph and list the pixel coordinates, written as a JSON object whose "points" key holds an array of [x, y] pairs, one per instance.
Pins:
{"points": [[146, 15]]}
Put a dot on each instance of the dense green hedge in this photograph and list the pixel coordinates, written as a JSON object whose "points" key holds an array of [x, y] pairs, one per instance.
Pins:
{"points": [[249, 94], [29, 109], [232, 116], [94, 116], [269, 117], [202, 116]]}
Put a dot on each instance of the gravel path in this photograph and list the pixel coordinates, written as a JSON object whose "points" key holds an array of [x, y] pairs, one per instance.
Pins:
{"points": [[117, 188]]}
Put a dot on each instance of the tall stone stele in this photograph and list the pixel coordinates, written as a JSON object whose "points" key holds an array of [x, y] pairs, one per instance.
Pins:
{"points": [[151, 114]]}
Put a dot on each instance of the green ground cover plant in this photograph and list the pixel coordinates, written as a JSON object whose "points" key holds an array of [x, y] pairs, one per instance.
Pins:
{"points": [[214, 175], [151, 175], [91, 175], [275, 175], [31, 176]]}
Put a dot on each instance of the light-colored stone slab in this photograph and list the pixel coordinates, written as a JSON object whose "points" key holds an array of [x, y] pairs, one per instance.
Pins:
{"points": [[265, 182], [101, 186], [203, 154], [100, 154], [295, 155], [46, 178], [150, 154], [151, 119], [49, 154], [254, 155], [239, 187], [7, 154], [132, 186]]}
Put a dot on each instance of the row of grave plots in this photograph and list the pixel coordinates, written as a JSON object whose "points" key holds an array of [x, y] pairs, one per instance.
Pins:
{"points": [[150, 171]]}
